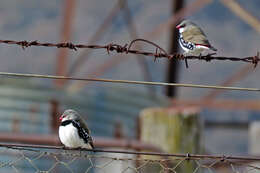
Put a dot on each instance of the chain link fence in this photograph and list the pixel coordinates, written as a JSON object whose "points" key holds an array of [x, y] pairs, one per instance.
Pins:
{"points": [[36, 160]]}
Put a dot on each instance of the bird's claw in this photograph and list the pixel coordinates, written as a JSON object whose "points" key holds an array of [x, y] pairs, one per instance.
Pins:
{"points": [[79, 149], [185, 54], [200, 56], [188, 156]]}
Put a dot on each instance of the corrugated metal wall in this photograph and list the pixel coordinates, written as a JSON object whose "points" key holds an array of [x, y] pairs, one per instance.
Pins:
{"points": [[25, 107]]}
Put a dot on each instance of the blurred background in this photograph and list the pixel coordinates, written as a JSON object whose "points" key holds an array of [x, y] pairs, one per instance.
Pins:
{"points": [[32, 106]]}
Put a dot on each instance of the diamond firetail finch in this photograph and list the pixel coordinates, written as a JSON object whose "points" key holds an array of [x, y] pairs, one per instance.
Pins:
{"points": [[73, 131], [192, 39]]}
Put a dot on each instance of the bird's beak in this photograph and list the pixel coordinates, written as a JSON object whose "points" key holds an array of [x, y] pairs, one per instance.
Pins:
{"points": [[60, 118], [178, 26]]}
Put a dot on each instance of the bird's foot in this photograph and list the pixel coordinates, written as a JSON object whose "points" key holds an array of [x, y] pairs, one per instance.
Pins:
{"points": [[200, 56], [188, 156], [186, 54], [80, 150], [66, 149]]}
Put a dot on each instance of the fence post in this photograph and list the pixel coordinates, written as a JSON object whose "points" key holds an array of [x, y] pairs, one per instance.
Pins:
{"points": [[254, 138], [174, 130], [254, 141]]}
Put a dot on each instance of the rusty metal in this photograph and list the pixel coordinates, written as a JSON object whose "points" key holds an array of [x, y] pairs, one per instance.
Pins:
{"points": [[53, 140], [189, 9], [222, 158], [242, 13], [240, 74], [226, 125], [118, 130], [16, 125], [54, 112], [173, 66], [138, 131], [29, 138], [124, 49], [82, 58], [115, 60], [220, 104], [27, 75], [134, 34], [193, 7], [61, 64]]}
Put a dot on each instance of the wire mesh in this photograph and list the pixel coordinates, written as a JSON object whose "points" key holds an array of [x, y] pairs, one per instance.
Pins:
{"points": [[35, 160]]}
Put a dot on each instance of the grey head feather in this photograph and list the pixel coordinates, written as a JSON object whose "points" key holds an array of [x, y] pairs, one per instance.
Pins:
{"points": [[71, 114], [187, 23], [74, 115]]}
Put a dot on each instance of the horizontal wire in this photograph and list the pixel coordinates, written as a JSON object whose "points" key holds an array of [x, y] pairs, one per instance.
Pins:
{"points": [[159, 53], [27, 75], [187, 156]]}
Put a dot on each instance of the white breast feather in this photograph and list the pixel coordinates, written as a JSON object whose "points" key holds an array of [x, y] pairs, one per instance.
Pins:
{"points": [[69, 137]]}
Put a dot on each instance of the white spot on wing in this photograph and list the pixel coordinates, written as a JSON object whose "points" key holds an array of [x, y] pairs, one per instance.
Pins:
{"points": [[201, 47]]}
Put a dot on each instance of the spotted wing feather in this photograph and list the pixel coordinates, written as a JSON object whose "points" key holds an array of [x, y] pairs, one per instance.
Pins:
{"points": [[83, 132]]}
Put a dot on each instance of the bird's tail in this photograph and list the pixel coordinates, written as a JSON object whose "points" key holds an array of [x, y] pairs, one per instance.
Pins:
{"points": [[213, 48], [91, 143]]}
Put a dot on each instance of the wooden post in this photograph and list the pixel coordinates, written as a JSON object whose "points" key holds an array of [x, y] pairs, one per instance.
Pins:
{"points": [[254, 138], [175, 130], [254, 142]]}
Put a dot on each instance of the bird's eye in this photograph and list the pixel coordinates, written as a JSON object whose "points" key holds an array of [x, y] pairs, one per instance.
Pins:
{"points": [[183, 25]]}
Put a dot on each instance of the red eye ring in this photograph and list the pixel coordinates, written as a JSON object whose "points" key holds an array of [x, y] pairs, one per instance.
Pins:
{"points": [[62, 116], [180, 26]]}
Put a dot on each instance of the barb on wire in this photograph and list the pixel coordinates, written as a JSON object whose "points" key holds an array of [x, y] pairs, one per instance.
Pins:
{"points": [[26, 75], [94, 38], [132, 30], [127, 49], [157, 54]]}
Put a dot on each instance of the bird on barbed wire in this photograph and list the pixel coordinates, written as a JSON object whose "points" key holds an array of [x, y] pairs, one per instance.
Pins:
{"points": [[73, 131], [192, 39]]}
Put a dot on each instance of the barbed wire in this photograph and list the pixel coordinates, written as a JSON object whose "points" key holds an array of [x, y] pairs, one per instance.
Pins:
{"points": [[95, 37], [34, 159], [159, 52], [27, 75]]}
